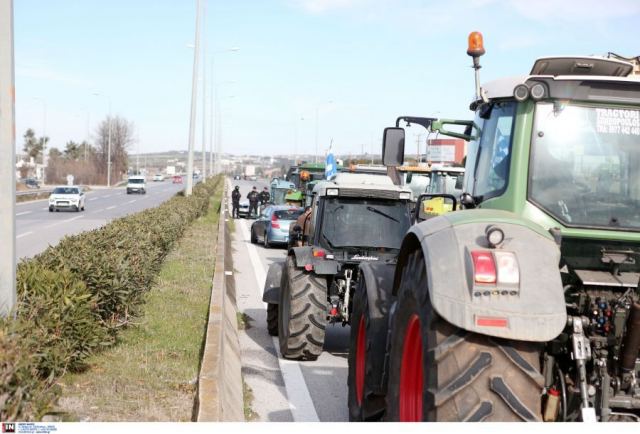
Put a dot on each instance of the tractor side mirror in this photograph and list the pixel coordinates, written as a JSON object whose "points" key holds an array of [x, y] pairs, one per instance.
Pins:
{"points": [[433, 205], [393, 147]]}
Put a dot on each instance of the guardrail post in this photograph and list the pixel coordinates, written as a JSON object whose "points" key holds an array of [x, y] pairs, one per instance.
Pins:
{"points": [[7, 162]]}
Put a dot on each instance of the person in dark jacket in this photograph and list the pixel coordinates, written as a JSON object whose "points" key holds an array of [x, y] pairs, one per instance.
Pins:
{"points": [[235, 201], [254, 198], [265, 197]]}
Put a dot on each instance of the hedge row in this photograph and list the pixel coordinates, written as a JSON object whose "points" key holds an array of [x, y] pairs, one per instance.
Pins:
{"points": [[74, 297]]}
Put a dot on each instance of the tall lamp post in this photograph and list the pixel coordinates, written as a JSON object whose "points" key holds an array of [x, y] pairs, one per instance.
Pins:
{"points": [[8, 162], [317, 116], [44, 135], [109, 120], [214, 102], [194, 95]]}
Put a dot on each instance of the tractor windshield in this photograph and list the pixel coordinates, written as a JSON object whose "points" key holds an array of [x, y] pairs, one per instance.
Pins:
{"points": [[585, 166], [364, 223]]}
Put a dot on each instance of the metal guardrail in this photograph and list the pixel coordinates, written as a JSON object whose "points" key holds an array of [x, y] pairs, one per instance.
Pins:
{"points": [[34, 192]]}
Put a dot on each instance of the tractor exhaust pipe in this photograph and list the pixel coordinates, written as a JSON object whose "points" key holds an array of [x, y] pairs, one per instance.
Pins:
{"points": [[631, 343]]}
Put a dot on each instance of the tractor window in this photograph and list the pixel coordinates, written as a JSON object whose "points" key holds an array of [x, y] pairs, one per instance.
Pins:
{"points": [[585, 162], [493, 153]]}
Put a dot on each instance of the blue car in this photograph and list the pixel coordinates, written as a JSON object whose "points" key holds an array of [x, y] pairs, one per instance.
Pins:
{"points": [[273, 224]]}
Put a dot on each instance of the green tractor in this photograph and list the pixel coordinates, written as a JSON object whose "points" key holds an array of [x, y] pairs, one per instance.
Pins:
{"points": [[524, 305]]}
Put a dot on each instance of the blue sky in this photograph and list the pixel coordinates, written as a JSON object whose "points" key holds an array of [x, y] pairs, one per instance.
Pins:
{"points": [[374, 59]]}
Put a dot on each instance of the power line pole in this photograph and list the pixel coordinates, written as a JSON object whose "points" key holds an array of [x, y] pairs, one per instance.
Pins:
{"points": [[7, 164], [194, 96]]}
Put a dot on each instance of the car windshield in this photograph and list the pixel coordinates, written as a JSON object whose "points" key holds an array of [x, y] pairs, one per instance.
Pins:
{"points": [[65, 190], [358, 222], [585, 168], [136, 181], [288, 214]]}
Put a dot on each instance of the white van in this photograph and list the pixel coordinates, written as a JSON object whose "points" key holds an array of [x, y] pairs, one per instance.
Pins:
{"points": [[137, 184]]}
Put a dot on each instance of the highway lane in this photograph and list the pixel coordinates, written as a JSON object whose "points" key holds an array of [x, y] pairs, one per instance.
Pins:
{"points": [[37, 228], [283, 390]]}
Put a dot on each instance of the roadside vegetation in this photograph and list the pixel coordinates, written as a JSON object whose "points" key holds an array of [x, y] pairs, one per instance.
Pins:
{"points": [[151, 374], [76, 298]]}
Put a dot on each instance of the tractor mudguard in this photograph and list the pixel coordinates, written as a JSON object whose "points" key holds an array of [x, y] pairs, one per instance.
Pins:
{"points": [[304, 256], [271, 293], [379, 279], [531, 310]]}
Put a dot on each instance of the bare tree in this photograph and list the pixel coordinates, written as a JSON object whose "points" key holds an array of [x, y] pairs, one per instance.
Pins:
{"points": [[122, 137]]}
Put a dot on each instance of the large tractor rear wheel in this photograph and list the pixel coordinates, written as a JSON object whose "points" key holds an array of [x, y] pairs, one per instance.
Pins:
{"points": [[272, 319], [438, 372], [302, 313], [366, 358]]}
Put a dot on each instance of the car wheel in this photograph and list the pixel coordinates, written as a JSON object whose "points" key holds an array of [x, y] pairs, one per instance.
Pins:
{"points": [[76, 208], [50, 209], [254, 239], [266, 240]]}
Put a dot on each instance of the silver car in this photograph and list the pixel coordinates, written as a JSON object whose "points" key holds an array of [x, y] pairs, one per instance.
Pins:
{"points": [[273, 224]]}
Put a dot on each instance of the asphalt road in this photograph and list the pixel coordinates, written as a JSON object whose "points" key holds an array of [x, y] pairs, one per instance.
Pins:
{"points": [[37, 228], [283, 390]]}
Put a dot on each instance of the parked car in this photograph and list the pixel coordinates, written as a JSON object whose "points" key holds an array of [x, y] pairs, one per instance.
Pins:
{"points": [[158, 177], [31, 183], [177, 179], [273, 224], [253, 178], [243, 209], [237, 177], [137, 184], [67, 197]]}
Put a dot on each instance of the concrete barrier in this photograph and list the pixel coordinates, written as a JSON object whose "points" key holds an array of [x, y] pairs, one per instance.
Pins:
{"points": [[219, 397]]}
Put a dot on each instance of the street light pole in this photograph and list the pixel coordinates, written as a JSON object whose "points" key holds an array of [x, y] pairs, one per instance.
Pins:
{"points": [[317, 116], [44, 136], [194, 95], [109, 120], [204, 92], [7, 164]]}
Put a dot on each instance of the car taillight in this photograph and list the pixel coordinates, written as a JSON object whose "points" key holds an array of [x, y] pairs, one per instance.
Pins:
{"points": [[484, 268], [274, 222]]}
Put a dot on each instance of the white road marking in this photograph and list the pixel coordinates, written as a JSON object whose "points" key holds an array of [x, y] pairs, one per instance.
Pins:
{"points": [[64, 221], [110, 207], [24, 235], [104, 197], [131, 201], [93, 198], [24, 213], [300, 402], [45, 208]]}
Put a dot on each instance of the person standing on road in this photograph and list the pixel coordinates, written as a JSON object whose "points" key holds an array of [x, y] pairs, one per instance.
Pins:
{"points": [[264, 197], [235, 201], [253, 197]]}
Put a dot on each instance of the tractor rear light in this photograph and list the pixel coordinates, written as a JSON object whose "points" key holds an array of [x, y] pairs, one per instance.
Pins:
{"points": [[274, 221], [484, 267], [508, 270], [319, 253]]}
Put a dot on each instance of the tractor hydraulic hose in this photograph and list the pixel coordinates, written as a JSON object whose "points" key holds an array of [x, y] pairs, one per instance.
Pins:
{"points": [[631, 344], [563, 390]]}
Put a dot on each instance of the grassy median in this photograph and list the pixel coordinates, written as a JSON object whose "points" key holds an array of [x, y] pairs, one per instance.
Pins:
{"points": [[151, 374]]}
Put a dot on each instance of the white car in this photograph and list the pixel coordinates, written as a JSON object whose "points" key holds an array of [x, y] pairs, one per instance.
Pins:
{"points": [[158, 177], [137, 184], [68, 197], [243, 209]]}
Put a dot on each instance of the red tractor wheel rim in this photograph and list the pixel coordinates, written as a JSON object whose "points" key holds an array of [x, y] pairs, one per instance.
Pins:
{"points": [[361, 348], [411, 373]]}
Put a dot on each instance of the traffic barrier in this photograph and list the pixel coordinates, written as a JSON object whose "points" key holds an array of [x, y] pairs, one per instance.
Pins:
{"points": [[219, 397]]}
